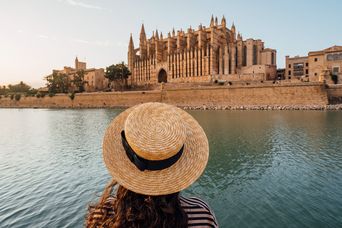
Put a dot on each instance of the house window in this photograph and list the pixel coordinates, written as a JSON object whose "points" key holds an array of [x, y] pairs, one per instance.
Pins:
{"points": [[307, 64], [289, 65], [316, 59], [306, 71], [335, 70], [289, 72], [315, 74], [298, 69]]}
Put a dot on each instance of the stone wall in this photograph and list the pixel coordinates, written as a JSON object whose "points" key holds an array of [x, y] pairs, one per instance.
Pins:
{"points": [[299, 94], [248, 95], [335, 94]]}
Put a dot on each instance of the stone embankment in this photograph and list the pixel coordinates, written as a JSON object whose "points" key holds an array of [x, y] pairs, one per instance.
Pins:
{"points": [[308, 96], [336, 107]]}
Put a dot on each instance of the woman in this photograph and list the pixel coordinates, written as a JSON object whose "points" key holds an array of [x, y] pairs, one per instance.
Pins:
{"points": [[153, 151]]}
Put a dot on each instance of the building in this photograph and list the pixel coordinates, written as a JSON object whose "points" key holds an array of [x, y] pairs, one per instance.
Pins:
{"points": [[317, 65], [296, 67], [204, 55], [327, 60], [94, 78]]}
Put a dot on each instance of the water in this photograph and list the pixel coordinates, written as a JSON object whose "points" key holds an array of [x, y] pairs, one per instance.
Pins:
{"points": [[266, 169]]}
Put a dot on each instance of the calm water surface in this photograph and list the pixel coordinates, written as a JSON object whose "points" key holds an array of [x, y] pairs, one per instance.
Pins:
{"points": [[266, 169]]}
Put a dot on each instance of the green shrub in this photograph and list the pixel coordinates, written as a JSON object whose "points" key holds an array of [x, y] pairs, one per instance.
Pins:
{"points": [[51, 94], [38, 95], [12, 96], [72, 96], [17, 96], [42, 95]]}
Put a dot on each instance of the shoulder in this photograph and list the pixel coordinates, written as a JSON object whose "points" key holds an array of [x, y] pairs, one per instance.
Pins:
{"points": [[97, 214], [194, 202], [199, 212]]}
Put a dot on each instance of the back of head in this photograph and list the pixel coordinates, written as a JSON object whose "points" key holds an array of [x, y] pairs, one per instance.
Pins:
{"points": [[153, 151], [130, 209]]}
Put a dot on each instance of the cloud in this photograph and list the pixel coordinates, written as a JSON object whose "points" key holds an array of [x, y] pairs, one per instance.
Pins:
{"points": [[82, 4]]}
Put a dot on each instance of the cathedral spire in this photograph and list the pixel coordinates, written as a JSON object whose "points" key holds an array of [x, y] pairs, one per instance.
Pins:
{"points": [[190, 29], [130, 45], [212, 21], [216, 22], [131, 53], [239, 37], [223, 22], [76, 63], [142, 33], [143, 42], [157, 36], [173, 32], [233, 31]]}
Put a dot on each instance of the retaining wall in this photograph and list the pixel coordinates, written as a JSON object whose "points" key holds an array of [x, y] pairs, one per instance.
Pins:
{"points": [[335, 94], [301, 94]]}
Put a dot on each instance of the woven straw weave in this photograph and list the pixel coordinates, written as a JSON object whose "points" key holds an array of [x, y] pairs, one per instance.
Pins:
{"points": [[156, 131]]}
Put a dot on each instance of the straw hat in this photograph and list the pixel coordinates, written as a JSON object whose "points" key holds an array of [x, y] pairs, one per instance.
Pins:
{"points": [[155, 149]]}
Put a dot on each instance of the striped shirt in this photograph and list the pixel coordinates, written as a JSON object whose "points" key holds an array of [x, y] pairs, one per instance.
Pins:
{"points": [[199, 213]]}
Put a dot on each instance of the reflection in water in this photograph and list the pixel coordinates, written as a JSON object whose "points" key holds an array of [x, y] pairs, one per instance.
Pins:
{"points": [[266, 169]]}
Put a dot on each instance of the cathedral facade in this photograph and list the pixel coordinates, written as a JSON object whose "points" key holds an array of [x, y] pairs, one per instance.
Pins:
{"points": [[203, 55]]}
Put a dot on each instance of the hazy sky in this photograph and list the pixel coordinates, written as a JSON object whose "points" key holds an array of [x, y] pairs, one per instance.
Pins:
{"points": [[40, 35]]}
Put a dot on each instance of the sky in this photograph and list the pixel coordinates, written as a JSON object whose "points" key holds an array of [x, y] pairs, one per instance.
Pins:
{"points": [[37, 36]]}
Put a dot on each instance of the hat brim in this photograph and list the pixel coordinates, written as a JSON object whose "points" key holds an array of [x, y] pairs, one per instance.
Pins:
{"points": [[177, 177]]}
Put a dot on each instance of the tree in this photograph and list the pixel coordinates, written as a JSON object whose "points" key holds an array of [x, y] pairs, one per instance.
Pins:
{"points": [[78, 81], [58, 83], [17, 96], [118, 74], [19, 88], [32, 92], [3, 90]]}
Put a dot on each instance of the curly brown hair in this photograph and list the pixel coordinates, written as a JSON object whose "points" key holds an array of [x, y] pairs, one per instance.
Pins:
{"points": [[130, 209]]}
